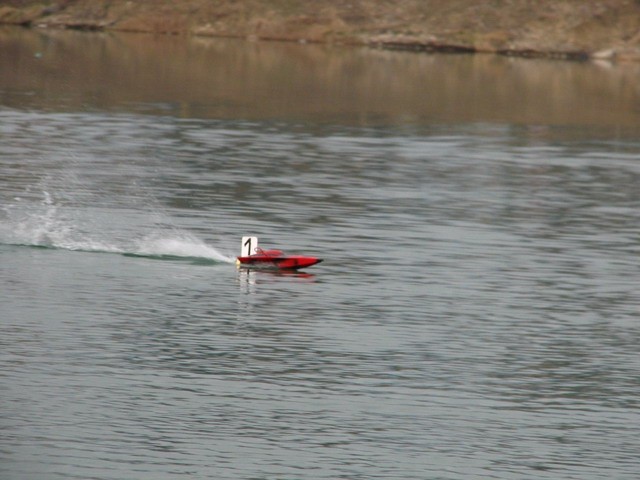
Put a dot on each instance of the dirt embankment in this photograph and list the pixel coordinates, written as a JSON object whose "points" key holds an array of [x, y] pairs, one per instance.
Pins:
{"points": [[560, 28]]}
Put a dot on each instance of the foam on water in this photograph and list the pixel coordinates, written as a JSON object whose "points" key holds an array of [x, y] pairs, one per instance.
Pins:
{"points": [[179, 245], [46, 224]]}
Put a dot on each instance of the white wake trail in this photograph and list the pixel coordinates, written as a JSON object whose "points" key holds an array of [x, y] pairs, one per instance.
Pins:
{"points": [[46, 224], [179, 245]]}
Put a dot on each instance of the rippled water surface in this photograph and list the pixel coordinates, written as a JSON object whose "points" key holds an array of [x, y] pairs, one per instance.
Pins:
{"points": [[477, 314]]}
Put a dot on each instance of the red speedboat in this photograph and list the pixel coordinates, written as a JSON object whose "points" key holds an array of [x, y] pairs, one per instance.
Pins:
{"points": [[254, 257]]}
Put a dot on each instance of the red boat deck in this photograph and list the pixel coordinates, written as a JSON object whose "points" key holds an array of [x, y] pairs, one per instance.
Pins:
{"points": [[277, 259]]}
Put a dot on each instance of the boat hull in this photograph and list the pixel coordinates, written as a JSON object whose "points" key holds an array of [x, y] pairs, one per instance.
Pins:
{"points": [[280, 262]]}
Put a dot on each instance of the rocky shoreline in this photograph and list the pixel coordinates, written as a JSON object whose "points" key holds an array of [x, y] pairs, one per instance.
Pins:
{"points": [[568, 29]]}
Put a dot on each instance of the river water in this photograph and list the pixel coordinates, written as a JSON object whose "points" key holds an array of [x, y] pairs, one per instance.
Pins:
{"points": [[477, 313]]}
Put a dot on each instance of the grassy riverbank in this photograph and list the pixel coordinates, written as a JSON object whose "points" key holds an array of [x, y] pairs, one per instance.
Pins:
{"points": [[560, 28]]}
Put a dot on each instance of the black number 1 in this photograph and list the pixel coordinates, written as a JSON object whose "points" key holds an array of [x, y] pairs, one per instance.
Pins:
{"points": [[248, 242]]}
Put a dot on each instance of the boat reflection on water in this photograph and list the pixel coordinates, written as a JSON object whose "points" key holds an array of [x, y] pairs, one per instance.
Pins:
{"points": [[248, 278]]}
